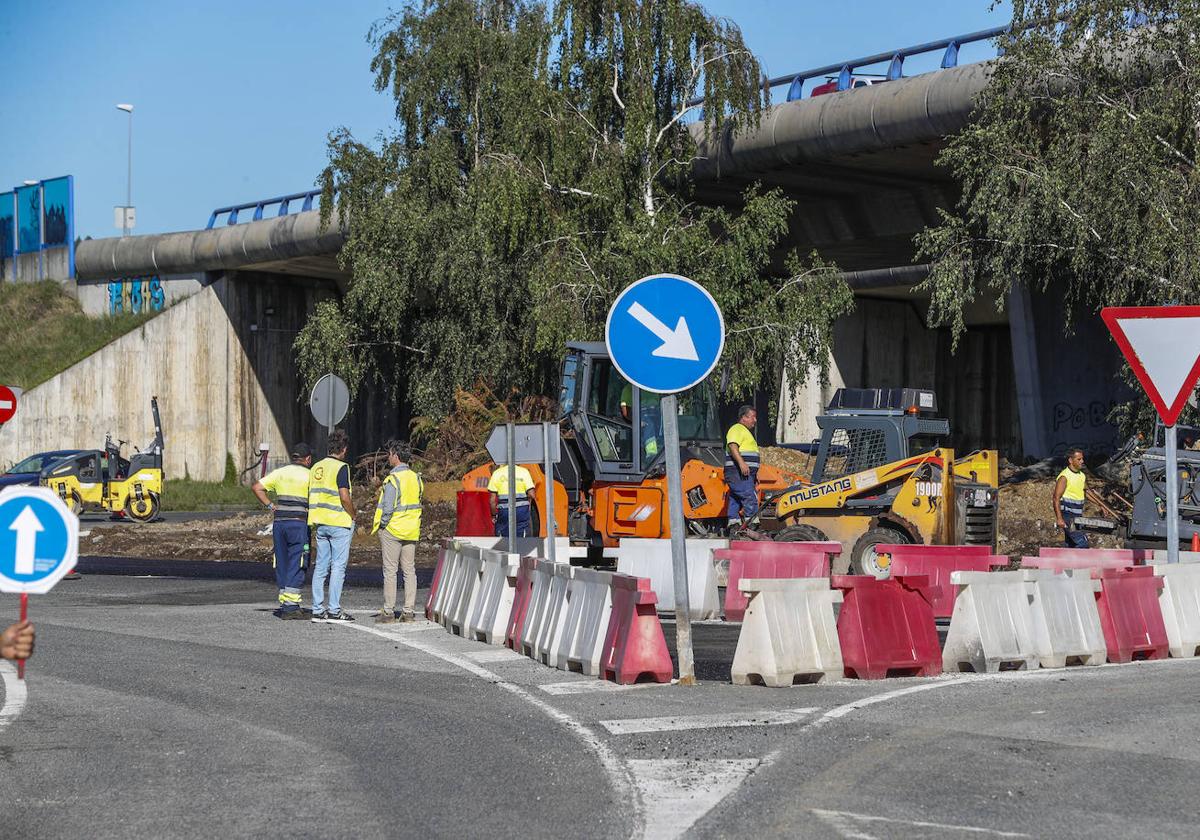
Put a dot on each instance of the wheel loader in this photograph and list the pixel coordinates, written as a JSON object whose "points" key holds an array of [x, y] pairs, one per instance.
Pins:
{"points": [[103, 480], [881, 475]]}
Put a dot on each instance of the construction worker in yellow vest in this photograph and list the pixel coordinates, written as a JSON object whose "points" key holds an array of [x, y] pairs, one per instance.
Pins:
{"points": [[741, 467], [290, 527], [501, 499], [398, 523], [332, 512], [1069, 492]]}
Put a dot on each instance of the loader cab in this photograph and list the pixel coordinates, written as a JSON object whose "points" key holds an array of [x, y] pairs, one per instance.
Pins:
{"points": [[865, 428], [618, 428]]}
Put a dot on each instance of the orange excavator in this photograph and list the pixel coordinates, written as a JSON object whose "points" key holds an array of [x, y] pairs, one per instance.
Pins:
{"points": [[611, 481]]}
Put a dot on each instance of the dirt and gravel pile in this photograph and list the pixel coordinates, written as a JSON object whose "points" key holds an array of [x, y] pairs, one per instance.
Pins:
{"points": [[246, 536], [783, 458]]}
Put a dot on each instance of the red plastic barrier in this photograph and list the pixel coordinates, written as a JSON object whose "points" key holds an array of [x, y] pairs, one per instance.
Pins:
{"points": [[1130, 615], [474, 514], [937, 562], [437, 581], [634, 646], [1082, 559], [1113, 558], [886, 627], [759, 559], [520, 607]]}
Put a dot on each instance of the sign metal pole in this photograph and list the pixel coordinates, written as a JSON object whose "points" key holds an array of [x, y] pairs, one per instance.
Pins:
{"points": [[511, 434], [1172, 478], [683, 618], [549, 469]]}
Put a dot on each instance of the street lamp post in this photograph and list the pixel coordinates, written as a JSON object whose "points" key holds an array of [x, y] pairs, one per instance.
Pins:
{"points": [[128, 109]]}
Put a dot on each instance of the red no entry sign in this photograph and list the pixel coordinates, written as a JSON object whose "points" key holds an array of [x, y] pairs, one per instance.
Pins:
{"points": [[8, 404]]}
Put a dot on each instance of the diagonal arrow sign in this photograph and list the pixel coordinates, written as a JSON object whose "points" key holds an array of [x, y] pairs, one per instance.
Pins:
{"points": [[676, 343], [27, 526]]}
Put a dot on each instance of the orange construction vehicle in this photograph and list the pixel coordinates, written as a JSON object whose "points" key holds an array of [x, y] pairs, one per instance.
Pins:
{"points": [[611, 481]]}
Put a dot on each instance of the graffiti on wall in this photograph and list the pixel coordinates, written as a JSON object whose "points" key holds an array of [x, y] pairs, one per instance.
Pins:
{"points": [[136, 294], [1084, 425]]}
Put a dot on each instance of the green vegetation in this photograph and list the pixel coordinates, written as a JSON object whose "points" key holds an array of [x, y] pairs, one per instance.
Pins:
{"points": [[188, 494], [43, 332], [541, 161]]}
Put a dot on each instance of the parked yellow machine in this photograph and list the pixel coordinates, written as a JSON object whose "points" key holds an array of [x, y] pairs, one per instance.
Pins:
{"points": [[103, 480], [881, 475]]}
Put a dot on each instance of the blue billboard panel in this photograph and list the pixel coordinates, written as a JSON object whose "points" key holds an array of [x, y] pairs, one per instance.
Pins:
{"points": [[56, 212], [8, 229], [29, 219]]}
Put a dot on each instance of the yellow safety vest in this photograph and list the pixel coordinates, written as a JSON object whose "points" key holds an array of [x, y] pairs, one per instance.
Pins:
{"points": [[746, 444], [290, 486], [1076, 483], [405, 523], [324, 500], [498, 484]]}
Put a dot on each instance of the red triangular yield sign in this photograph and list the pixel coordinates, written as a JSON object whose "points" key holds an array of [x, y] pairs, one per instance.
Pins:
{"points": [[1162, 346]]}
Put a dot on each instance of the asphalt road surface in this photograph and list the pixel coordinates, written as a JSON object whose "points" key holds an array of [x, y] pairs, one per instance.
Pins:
{"points": [[179, 707]]}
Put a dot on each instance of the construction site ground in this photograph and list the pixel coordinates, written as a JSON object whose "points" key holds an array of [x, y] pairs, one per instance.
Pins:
{"points": [[1025, 523]]}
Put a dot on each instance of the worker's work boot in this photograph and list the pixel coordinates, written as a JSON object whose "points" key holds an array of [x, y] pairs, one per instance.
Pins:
{"points": [[407, 616], [385, 617]]}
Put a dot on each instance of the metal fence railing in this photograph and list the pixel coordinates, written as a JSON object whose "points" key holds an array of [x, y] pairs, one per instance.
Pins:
{"points": [[284, 202]]}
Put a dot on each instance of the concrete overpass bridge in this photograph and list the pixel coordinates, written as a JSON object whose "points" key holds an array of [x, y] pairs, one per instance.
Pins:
{"points": [[860, 163]]}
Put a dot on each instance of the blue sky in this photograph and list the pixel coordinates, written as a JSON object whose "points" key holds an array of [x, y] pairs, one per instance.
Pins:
{"points": [[233, 98]]}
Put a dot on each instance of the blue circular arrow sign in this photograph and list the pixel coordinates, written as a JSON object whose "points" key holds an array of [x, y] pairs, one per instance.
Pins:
{"points": [[664, 333], [39, 539]]}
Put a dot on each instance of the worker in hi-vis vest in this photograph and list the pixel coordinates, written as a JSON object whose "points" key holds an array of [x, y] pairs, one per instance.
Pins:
{"points": [[501, 498], [741, 466], [289, 484], [398, 522], [1069, 492], [332, 512]]}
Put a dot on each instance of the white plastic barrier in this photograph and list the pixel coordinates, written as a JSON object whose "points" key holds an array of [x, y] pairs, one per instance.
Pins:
{"points": [[991, 628], [445, 558], [467, 593], [652, 559], [539, 597], [1180, 603], [1160, 556], [589, 604], [452, 569], [489, 618], [554, 619], [789, 633], [1066, 621]]}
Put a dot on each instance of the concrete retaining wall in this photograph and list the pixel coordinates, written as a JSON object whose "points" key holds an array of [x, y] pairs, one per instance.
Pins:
{"points": [[222, 387]]}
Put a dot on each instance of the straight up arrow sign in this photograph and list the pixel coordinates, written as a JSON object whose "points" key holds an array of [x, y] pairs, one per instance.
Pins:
{"points": [[27, 526]]}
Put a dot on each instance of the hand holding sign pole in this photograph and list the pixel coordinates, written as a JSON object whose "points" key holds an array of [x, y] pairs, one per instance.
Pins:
{"points": [[1162, 346], [39, 544], [666, 360]]}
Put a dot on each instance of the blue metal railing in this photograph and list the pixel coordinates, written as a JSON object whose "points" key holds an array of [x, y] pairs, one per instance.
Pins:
{"points": [[284, 202], [895, 61]]}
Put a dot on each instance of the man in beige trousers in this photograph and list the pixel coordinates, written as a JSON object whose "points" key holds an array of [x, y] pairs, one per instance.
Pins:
{"points": [[398, 521]]}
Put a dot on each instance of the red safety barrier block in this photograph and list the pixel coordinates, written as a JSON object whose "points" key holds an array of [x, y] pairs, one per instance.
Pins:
{"points": [[937, 562], [474, 514], [524, 591], [437, 581], [634, 646], [886, 627], [1112, 558], [1130, 614], [760, 559]]}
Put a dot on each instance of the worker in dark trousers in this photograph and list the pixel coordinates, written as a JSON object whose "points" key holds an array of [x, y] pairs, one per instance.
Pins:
{"points": [[741, 467], [289, 484], [1069, 492]]}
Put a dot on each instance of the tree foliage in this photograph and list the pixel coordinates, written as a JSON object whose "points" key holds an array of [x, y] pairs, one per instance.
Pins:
{"points": [[1079, 170], [539, 163]]}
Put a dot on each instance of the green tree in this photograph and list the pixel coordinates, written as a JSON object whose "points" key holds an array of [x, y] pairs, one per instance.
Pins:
{"points": [[540, 162], [1079, 169]]}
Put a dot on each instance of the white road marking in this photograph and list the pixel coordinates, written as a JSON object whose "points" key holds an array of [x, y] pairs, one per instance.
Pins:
{"points": [[619, 776], [495, 655], [679, 723], [677, 792], [585, 686], [843, 823], [15, 695]]}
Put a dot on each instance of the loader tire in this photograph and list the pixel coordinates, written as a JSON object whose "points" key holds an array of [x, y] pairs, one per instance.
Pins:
{"points": [[864, 561], [145, 510], [839, 565]]}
